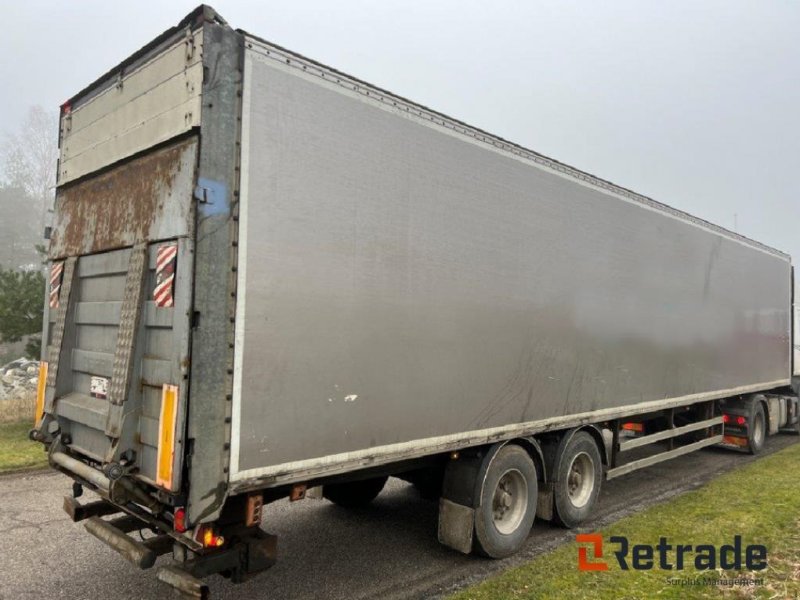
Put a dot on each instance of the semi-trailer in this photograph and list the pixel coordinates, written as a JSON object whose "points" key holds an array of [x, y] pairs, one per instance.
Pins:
{"points": [[268, 276]]}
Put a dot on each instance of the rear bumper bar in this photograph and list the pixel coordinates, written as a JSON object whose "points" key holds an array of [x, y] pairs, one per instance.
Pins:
{"points": [[136, 552], [82, 470], [119, 491]]}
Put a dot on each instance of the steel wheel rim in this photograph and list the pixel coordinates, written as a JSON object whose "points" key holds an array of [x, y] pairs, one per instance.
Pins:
{"points": [[580, 480], [758, 431], [509, 501]]}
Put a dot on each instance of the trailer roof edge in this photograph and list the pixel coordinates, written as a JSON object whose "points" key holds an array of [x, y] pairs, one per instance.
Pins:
{"points": [[193, 20], [557, 165]]}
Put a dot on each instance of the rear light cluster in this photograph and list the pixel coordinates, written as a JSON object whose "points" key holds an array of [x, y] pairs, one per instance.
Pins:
{"points": [[209, 538], [179, 520], [205, 534], [734, 419], [637, 427]]}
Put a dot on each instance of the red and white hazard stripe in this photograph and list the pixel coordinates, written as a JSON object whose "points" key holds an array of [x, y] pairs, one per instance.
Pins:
{"points": [[165, 274], [166, 253], [56, 272]]}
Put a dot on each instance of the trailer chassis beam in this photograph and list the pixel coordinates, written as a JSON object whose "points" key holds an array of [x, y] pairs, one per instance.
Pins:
{"points": [[657, 458]]}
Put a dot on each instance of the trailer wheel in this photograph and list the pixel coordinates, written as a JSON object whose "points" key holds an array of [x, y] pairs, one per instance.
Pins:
{"points": [[578, 476], [507, 503], [756, 429], [354, 494], [797, 418]]}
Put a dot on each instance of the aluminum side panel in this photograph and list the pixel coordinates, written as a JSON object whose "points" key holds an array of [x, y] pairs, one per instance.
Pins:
{"points": [[399, 282], [796, 339]]}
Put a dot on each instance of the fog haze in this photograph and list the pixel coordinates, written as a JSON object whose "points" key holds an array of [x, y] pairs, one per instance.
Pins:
{"points": [[693, 104]]}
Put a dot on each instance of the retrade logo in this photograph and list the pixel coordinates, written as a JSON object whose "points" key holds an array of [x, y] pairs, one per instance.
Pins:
{"points": [[667, 556], [586, 563]]}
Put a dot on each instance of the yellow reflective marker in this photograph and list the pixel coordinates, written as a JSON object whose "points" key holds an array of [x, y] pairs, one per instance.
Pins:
{"points": [[166, 435], [41, 386]]}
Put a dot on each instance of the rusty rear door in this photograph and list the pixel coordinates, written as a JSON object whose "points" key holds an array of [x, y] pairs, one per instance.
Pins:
{"points": [[117, 324]]}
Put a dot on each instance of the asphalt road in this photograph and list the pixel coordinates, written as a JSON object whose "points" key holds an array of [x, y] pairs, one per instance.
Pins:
{"points": [[386, 551]]}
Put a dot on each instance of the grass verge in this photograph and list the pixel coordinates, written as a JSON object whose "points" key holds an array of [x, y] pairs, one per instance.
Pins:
{"points": [[17, 452], [760, 502], [14, 410]]}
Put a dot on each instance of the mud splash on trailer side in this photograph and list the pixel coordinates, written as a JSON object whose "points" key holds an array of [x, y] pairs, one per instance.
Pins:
{"points": [[146, 198]]}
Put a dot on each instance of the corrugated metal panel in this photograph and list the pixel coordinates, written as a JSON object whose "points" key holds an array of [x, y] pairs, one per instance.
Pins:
{"points": [[85, 409], [101, 285], [91, 343], [154, 103], [162, 350], [97, 363], [98, 313]]}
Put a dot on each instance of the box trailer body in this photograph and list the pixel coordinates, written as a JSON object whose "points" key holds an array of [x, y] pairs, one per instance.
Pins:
{"points": [[268, 273], [401, 285]]}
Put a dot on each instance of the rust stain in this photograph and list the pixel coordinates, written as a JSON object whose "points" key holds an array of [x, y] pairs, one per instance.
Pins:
{"points": [[129, 204]]}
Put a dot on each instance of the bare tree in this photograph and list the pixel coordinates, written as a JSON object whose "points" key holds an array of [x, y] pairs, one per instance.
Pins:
{"points": [[19, 229], [29, 158]]}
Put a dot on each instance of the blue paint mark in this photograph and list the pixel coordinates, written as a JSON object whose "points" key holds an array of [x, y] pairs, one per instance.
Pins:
{"points": [[212, 197]]}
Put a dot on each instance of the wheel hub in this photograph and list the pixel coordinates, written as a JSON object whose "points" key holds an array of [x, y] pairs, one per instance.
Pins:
{"points": [[580, 480], [509, 502]]}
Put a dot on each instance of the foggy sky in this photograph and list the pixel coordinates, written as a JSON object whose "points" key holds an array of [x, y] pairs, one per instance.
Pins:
{"points": [[696, 104]]}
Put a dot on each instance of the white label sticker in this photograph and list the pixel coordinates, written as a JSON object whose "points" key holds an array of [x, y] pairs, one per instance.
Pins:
{"points": [[99, 387]]}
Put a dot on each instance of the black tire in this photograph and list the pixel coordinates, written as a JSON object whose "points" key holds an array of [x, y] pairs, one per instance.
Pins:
{"points": [[578, 476], [354, 494], [507, 507], [756, 428], [797, 421]]}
